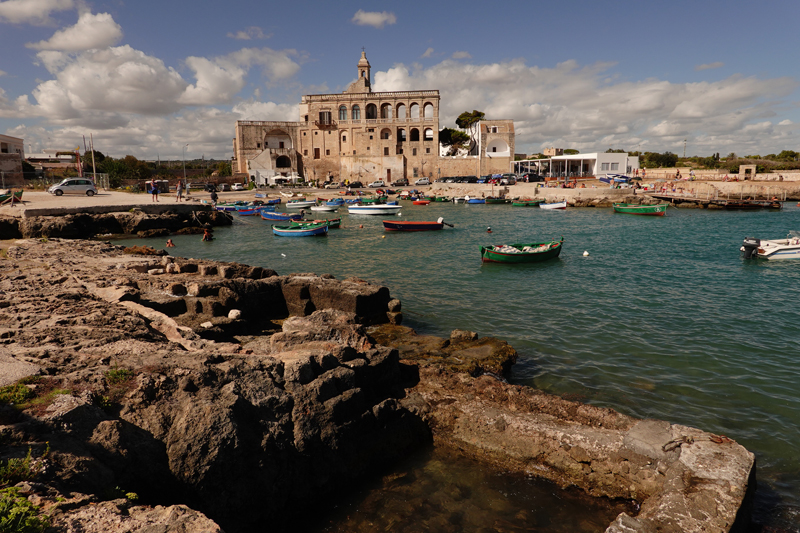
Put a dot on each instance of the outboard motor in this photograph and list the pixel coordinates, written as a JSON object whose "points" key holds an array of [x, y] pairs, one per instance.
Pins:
{"points": [[750, 248]]}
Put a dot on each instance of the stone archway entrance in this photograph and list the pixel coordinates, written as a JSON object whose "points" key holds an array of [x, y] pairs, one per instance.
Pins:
{"points": [[747, 172]]}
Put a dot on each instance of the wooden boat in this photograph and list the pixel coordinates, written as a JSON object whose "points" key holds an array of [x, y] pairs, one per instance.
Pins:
{"points": [[377, 209], [494, 200], [752, 204], [526, 203], [521, 253], [310, 230], [414, 225], [658, 210], [442, 199], [11, 198], [249, 212], [299, 204], [275, 201], [554, 205], [421, 202], [476, 201], [335, 202], [268, 215], [325, 207], [333, 223]]}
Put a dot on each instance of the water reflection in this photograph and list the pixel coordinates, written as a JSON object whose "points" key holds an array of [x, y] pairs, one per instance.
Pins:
{"points": [[436, 491]]}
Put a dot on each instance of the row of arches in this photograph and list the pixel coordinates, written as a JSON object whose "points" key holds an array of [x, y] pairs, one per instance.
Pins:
{"points": [[386, 111], [413, 135]]}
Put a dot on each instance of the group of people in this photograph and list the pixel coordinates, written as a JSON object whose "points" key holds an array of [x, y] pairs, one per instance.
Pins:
{"points": [[153, 189]]}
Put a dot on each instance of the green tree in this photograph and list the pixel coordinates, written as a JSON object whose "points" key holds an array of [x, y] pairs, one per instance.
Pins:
{"points": [[615, 151], [571, 151], [788, 155], [224, 168], [469, 121], [453, 140]]}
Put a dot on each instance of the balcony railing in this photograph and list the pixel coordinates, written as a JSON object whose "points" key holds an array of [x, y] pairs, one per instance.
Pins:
{"points": [[325, 124]]}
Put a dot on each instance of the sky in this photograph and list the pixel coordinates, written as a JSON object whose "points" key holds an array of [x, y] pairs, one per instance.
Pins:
{"points": [[164, 79]]}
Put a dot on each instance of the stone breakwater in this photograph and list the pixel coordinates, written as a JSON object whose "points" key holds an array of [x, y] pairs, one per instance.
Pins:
{"points": [[83, 225], [219, 391]]}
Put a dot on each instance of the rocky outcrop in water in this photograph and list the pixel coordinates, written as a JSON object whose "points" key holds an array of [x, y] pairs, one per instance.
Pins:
{"points": [[85, 225], [251, 397]]}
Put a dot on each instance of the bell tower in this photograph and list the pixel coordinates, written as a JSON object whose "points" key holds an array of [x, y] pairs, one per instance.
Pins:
{"points": [[364, 69]]}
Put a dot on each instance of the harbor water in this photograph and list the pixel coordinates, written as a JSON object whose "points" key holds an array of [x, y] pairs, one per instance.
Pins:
{"points": [[662, 319]]}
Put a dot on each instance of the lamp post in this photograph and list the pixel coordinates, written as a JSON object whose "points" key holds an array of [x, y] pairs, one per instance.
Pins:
{"points": [[184, 163]]}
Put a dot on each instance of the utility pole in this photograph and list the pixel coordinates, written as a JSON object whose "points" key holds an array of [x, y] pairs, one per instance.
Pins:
{"points": [[684, 148]]}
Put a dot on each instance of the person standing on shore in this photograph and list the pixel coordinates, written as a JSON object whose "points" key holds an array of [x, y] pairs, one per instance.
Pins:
{"points": [[179, 191], [154, 189]]}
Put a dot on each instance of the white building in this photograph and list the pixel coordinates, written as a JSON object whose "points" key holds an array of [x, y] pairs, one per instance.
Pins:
{"points": [[12, 145], [594, 165]]}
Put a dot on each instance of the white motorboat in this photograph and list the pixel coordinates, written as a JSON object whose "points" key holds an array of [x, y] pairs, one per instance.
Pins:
{"points": [[300, 204], [373, 209], [326, 208], [554, 205], [788, 248]]}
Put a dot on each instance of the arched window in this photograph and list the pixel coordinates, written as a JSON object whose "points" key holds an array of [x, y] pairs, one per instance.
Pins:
{"points": [[372, 111], [386, 133], [386, 110], [356, 112], [428, 134], [414, 111], [401, 135], [401, 111], [414, 134], [428, 110], [283, 162], [342, 112]]}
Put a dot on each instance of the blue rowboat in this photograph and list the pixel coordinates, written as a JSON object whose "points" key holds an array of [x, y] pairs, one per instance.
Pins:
{"points": [[335, 202], [274, 201], [252, 211], [310, 230], [282, 217], [476, 201]]}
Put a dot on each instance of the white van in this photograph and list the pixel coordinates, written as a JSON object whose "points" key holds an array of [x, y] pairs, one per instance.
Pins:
{"points": [[74, 186]]}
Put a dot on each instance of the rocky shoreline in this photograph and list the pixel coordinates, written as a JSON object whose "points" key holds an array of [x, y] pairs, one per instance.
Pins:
{"points": [[167, 393]]}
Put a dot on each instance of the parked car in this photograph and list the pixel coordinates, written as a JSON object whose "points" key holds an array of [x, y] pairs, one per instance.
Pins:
{"points": [[508, 179], [224, 187], [441, 180], [400, 182], [532, 178], [210, 187], [333, 185], [422, 181], [377, 184], [237, 187], [74, 186], [356, 184]]}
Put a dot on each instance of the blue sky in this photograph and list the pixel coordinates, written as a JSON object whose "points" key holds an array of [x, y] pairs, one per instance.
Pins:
{"points": [[146, 78]]}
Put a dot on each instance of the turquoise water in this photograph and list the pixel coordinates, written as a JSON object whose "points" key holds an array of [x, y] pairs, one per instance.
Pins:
{"points": [[662, 319]]}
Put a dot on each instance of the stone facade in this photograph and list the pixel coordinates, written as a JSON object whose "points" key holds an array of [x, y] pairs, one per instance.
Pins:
{"points": [[361, 135], [11, 169]]}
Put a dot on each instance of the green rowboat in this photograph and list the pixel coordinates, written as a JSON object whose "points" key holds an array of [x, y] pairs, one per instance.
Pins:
{"points": [[490, 200], [521, 253], [526, 203], [658, 210]]}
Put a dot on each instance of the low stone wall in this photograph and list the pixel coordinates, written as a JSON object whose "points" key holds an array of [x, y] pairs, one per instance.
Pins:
{"points": [[103, 209]]}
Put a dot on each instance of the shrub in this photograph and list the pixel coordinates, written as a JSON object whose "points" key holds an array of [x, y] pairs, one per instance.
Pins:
{"points": [[27, 468], [16, 393], [18, 515], [117, 376]]}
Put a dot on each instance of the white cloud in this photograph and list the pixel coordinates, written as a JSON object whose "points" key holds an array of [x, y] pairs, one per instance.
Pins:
{"points": [[428, 53], [252, 32], [254, 110], [786, 122], [91, 31], [373, 18], [32, 11], [707, 66], [461, 55], [582, 107]]}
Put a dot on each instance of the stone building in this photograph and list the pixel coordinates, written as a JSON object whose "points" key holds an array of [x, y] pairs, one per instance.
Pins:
{"points": [[362, 135], [12, 153]]}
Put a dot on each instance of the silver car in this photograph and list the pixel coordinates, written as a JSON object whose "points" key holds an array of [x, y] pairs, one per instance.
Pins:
{"points": [[74, 186]]}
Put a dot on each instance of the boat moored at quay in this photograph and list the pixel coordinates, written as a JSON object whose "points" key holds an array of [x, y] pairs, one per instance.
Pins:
{"points": [[788, 248]]}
